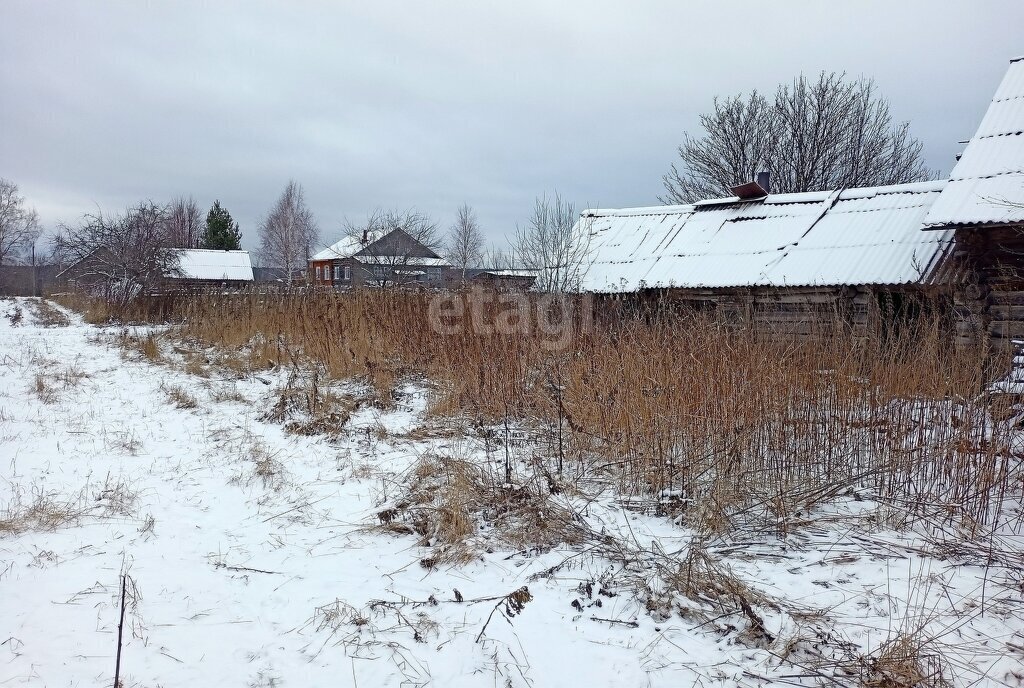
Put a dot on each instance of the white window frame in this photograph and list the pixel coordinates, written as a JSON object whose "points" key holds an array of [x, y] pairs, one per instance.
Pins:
{"points": [[337, 272], [347, 273], [318, 272]]}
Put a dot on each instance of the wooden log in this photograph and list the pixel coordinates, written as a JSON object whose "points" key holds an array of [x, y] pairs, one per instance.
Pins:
{"points": [[1007, 329], [1006, 312], [1006, 298]]}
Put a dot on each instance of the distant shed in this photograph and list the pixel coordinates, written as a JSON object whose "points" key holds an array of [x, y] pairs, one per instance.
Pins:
{"points": [[198, 266], [502, 279]]}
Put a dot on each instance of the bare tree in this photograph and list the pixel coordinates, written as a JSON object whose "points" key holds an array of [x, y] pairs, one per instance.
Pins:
{"points": [[289, 232], [496, 258], [553, 244], [393, 259], [185, 223], [465, 241], [19, 224], [122, 256], [815, 135]]}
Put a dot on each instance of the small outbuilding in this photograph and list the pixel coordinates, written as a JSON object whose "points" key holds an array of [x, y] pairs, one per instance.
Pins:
{"points": [[501, 279], [200, 267]]}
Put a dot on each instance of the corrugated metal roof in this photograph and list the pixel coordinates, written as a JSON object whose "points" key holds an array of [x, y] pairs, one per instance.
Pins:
{"points": [[857, 236], [207, 264], [987, 183]]}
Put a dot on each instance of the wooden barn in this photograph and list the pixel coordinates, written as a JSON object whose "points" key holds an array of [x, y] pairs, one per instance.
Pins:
{"points": [[866, 256], [200, 268]]}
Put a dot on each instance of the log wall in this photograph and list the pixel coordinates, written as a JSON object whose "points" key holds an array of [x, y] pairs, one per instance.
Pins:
{"points": [[995, 256], [809, 311]]}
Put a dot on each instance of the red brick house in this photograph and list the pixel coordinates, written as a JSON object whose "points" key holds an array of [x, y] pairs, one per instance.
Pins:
{"points": [[393, 259]]}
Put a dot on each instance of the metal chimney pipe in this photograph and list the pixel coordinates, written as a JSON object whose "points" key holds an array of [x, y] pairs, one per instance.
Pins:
{"points": [[764, 180]]}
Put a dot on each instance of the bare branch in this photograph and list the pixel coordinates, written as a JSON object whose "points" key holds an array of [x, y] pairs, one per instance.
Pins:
{"points": [[19, 224], [289, 232], [465, 241], [553, 244], [122, 256], [826, 134]]}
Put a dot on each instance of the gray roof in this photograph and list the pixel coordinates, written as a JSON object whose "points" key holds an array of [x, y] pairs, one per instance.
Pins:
{"points": [[986, 187], [828, 238]]}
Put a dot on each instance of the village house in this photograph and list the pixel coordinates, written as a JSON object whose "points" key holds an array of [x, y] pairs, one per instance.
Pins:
{"points": [[790, 261], [393, 259]]}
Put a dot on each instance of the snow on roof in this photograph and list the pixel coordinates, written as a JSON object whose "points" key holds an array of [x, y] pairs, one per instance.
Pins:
{"points": [[507, 273], [341, 249], [987, 184], [856, 236], [207, 264]]}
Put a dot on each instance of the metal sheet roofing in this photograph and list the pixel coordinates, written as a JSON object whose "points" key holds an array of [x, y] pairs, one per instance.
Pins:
{"points": [[856, 236], [207, 264], [987, 184]]}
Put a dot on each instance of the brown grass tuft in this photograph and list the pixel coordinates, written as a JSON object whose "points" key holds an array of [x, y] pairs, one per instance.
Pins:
{"points": [[47, 315], [179, 396], [449, 503]]}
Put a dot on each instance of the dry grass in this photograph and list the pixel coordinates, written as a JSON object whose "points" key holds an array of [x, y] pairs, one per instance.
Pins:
{"points": [[149, 348], [44, 389], [146, 345], [260, 465], [179, 396], [37, 509], [307, 405], [460, 508], [226, 392], [115, 498], [42, 511], [15, 316], [48, 316], [742, 428], [903, 662], [196, 364], [122, 440], [94, 311]]}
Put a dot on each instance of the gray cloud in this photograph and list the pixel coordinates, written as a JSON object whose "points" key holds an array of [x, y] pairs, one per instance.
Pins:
{"points": [[398, 104]]}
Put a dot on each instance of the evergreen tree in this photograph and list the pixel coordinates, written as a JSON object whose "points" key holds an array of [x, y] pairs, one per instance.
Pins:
{"points": [[222, 232]]}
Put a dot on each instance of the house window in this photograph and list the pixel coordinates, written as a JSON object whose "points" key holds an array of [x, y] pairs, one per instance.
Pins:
{"points": [[434, 274], [337, 272], [378, 271], [348, 273], [318, 272]]}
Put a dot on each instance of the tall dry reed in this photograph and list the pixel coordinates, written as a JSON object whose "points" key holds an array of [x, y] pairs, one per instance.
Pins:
{"points": [[726, 423]]}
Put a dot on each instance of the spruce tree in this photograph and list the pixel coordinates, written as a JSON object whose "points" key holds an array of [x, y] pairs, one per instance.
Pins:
{"points": [[222, 232]]}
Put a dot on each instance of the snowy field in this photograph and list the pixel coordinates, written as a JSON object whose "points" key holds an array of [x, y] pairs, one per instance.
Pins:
{"points": [[258, 557]]}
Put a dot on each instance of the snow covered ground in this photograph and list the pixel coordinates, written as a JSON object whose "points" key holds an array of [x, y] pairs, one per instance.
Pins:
{"points": [[256, 557]]}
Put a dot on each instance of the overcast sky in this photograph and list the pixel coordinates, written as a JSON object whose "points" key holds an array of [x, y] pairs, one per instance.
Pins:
{"points": [[429, 104]]}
